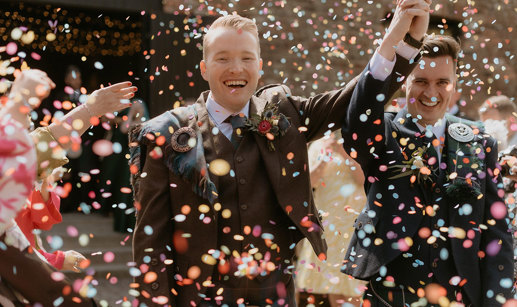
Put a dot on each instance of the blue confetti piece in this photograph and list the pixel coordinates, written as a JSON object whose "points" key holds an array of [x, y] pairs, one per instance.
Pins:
{"points": [[134, 272], [506, 283], [117, 148], [148, 230], [85, 208], [56, 242], [267, 236], [58, 301]]}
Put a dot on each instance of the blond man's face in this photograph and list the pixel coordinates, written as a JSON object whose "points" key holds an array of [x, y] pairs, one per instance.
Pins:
{"points": [[231, 66]]}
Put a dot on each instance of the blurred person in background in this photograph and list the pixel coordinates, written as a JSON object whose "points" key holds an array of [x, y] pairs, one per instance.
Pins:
{"points": [[337, 182]]}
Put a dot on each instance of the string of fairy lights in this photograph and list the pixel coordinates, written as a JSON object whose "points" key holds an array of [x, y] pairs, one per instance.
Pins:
{"points": [[65, 31]]}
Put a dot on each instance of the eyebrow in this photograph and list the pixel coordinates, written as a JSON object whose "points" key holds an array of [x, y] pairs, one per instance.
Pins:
{"points": [[425, 79], [228, 51]]}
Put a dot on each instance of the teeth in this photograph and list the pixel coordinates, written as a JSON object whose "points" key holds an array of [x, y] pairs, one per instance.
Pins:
{"points": [[236, 83], [429, 103]]}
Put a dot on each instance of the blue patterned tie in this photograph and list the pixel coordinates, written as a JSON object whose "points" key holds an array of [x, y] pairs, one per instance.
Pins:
{"points": [[238, 123]]}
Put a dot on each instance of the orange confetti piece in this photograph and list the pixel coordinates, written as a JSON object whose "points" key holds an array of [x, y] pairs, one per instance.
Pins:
{"points": [[67, 105], [133, 169], [423, 170], [160, 140], [150, 277], [125, 190], [94, 121]]}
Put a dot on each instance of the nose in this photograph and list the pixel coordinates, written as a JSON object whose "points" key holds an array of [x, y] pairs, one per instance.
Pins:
{"points": [[236, 67], [431, 91]]}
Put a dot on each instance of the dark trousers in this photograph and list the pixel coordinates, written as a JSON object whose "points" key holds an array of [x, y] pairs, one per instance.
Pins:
{"points": [[267, 295]]}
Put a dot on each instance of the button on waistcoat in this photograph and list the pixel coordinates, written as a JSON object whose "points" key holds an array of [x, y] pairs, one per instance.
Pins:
{"points": [[252, 225]]}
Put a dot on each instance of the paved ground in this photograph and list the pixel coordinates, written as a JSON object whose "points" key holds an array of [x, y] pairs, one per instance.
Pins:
{"points": [[97, 241]]}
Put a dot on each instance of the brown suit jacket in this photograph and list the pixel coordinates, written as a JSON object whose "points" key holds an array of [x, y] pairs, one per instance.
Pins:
{"points": [[23, 273], [168, 242]]}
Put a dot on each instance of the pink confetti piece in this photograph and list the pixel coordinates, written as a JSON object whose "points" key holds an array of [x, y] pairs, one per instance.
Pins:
{"points": [[11, 48], [72, 231], [35, 56], [109, 257], [102, 148], [498, 210]]}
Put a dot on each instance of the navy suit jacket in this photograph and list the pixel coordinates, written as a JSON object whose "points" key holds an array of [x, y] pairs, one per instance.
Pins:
{"points": [[395, 206]]}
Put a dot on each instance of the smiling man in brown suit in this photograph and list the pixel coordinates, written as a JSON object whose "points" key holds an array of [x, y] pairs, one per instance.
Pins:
{"points": [[222, 200]]}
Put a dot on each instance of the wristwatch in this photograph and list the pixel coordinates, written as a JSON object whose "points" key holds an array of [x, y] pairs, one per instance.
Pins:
{"points": [[408, 39]]}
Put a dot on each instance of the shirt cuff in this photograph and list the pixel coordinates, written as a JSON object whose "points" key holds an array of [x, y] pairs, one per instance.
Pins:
{"points": [[380, 67], [406, 51]]}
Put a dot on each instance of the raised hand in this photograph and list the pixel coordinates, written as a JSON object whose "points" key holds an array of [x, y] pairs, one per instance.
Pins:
{"points": [[31, 86], [420, 22], [110, 99], [411, 16], [73, 261]]}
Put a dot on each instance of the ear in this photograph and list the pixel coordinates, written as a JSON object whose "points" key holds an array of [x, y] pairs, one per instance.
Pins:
{"points": [[404, 87], [202, 68], [455, 95]]}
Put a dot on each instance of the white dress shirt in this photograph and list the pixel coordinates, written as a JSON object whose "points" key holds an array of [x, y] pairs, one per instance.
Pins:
{"points": [[438, 130], [219, 114]]}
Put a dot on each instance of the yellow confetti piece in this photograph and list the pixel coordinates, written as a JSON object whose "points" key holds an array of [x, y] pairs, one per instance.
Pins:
{"points": [[208, 259], [226, 213], [219, 167], [204, 208]]}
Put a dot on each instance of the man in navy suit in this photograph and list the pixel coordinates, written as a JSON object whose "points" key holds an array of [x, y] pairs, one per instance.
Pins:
{"points": [[435, 228]]}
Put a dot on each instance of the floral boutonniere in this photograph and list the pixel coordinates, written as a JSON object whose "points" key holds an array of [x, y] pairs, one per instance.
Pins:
{"points": [[466, 188], [269, 124], [417, 167], [462, 190]]}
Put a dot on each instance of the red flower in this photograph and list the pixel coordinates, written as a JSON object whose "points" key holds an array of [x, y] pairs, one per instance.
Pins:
{"points": [[264, 126]]}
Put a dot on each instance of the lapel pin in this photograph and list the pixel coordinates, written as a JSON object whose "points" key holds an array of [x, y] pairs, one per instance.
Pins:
{"points": [[183, 139], [461, 132]]}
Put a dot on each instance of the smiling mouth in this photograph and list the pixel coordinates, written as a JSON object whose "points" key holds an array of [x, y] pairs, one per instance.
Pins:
{"points": [[236, 84], [428, 103]]}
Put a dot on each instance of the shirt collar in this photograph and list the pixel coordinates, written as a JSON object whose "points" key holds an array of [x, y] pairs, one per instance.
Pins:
{"points": [[219, 114], [438, 128]]}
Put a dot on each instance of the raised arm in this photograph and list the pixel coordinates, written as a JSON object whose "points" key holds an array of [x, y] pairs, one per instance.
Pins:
{"points": [[104, 100], [364, 128], [27, 91]]}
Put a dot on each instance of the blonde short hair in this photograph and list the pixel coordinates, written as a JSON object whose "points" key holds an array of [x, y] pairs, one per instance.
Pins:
{"points": [[234, 22]]}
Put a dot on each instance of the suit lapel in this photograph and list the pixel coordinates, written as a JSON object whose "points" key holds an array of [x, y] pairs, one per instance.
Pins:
{"points": [[206, 127], [407, 129], [270, 159]]}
